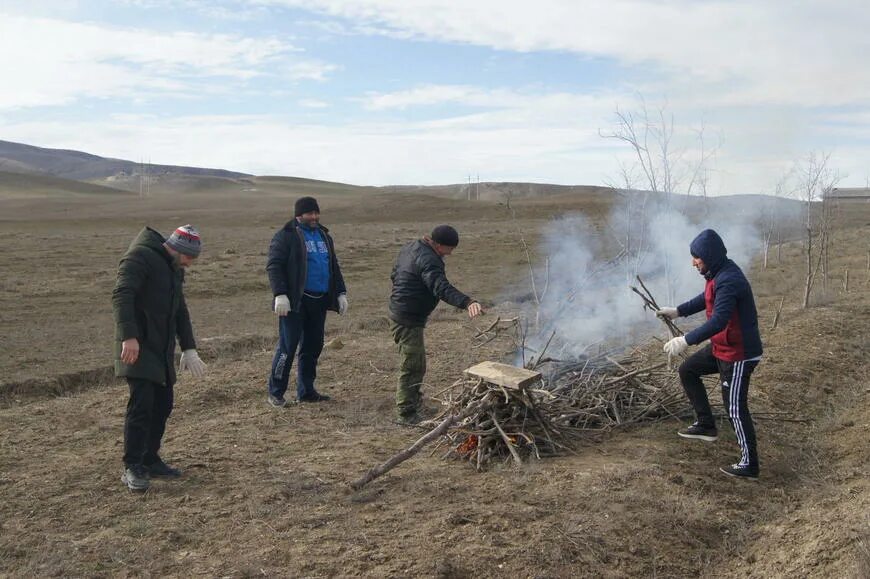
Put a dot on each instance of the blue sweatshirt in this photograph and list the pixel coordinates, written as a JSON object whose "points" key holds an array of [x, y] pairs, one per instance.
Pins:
{"points": [[317, 280]]}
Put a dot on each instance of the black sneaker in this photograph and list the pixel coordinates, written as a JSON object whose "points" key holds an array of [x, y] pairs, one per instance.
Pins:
{"points": [[160, 469], [315, 397], [136, 478], [739, 471], [277, 402], [707, 433]]}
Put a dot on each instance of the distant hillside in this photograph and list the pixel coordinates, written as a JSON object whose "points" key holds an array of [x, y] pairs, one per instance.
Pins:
{"points": [[13, 184], [108, 175], [497, 191], [308, 186], [20, 158]]}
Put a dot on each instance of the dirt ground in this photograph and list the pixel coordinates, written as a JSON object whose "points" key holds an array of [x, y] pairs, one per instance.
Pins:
{"points": [[265, 491]]}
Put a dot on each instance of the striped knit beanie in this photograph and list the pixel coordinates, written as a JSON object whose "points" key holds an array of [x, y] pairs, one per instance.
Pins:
{"points": [[185, 240]]}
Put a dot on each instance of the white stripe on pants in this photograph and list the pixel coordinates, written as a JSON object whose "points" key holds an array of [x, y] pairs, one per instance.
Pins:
{"points": [[734, 411]]}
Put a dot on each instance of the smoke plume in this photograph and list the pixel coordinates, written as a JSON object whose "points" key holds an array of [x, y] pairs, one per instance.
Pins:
{"points": [[586, 299]]}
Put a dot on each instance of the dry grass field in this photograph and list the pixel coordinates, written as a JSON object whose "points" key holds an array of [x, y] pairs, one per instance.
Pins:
{"points": [[265, 491]]}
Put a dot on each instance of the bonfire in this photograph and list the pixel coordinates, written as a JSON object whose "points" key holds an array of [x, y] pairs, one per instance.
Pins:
{"points": [[499, 412]]}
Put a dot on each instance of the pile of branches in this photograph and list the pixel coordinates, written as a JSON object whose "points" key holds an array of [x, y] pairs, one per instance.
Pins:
{"points": [[573, 401]]}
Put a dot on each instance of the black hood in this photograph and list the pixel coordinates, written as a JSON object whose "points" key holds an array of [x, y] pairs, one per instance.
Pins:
{"points": [[709, 247], [150, 238]]}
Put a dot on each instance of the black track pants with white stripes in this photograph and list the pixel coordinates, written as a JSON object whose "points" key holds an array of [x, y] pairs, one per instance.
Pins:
{"points": [[734, 379]]}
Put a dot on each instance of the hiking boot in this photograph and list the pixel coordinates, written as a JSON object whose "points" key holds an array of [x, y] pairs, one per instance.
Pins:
{"points": [[160, 469], [315, 397], [740, 471], [277, 402], [411, 419], [699, 431], [136, 478]]}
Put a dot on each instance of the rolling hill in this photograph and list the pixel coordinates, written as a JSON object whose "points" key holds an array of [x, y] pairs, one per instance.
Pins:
{"points": [[67, 164]]}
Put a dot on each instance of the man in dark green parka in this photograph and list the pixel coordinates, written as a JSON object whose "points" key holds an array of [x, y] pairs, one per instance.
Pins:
{"points": [[150, 312]]}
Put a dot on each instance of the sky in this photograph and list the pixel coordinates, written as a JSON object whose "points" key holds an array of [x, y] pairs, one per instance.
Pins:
{"points": [[387, 92]]}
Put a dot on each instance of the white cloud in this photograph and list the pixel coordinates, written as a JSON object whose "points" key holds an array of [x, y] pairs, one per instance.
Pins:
{"points": [[90, 60], [741, 52], [310, 70], [313, 104], [428, 95], [230, 10]]}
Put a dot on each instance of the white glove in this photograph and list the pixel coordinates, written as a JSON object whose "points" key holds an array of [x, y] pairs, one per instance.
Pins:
{"points": [[668, 312], [342, 304], [282, 305], [190, 361], [676, 346]]}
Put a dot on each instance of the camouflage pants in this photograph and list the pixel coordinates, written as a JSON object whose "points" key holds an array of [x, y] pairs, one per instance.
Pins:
{"points": [[412, 367]]}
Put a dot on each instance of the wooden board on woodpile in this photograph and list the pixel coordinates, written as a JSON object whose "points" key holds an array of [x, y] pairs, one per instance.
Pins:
{"points": [[504, 375]]}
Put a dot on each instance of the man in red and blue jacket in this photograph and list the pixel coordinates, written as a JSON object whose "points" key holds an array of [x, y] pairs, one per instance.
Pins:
{"points": [[734, 349]]}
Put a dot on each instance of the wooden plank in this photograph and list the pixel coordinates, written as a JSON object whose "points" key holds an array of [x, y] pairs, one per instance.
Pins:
{"points": [[503, 374]]}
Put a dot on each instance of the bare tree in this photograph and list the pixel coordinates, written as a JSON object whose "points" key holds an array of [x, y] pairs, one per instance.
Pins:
{"points": [[643, 135], [630, 229], [700, 170], [660, 167], [826, 231], [817, 180], [772, 220]]}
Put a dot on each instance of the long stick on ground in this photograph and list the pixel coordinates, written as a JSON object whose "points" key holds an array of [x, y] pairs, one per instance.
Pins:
{"points": [[401, 457]]}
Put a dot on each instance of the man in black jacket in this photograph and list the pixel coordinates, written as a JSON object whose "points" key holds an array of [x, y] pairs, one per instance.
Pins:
{"points": [[419, 282], [150, 312], [306, 281]]}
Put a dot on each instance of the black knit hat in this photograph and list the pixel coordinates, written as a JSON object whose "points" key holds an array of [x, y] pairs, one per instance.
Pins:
{"points": [[304, 205], [445, 235]]}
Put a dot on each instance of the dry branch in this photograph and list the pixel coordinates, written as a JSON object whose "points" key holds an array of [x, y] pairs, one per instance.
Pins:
{"points": [[377, 471], [650, 303], [401, 457]]}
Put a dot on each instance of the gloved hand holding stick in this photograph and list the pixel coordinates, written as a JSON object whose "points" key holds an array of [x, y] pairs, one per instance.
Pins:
{"points": [[677, 345], [664, 314]]}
